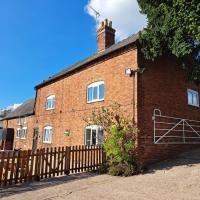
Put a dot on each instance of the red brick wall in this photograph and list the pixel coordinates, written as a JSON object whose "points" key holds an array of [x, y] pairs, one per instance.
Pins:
{"points": [[162, 86], [71, 93], [22, 143]]}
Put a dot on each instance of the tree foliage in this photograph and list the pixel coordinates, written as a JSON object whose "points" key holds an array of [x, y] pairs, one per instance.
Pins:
{"points": [[173, 28], [119, 141], [4, 113]]}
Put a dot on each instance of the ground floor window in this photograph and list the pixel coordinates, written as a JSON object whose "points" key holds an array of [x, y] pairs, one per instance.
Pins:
{"points": [[93, 135], [193, 97], [47, 135], [23, 133], [18, 133]]}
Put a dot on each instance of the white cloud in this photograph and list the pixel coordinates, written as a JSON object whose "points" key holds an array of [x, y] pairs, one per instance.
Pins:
{"points": [[124, 14]]}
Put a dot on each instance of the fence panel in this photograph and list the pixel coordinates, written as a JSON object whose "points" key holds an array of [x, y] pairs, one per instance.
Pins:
{"points": [[25, 166]]}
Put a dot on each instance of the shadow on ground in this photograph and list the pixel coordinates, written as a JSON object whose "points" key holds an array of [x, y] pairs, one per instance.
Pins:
{"points": [[187, 159], [8, 191]]}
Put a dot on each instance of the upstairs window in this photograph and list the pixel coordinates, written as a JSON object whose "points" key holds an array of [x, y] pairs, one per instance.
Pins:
{"points": [[25, 120], [193, 97], [95, 92], [19, 121], [18, 133], [50, 102], [47, 135], [93, 135], [23, 133]]}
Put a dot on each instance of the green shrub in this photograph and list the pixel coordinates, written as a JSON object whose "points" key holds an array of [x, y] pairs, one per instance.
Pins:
{"points": [[120, 150], [119, 144], [103, 169]]}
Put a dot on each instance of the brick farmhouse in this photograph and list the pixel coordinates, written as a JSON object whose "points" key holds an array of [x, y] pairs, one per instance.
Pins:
{"points": [[153, 93]]}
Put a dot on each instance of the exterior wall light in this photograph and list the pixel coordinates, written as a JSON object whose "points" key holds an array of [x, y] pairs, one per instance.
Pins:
{"points": [[128, 72]]}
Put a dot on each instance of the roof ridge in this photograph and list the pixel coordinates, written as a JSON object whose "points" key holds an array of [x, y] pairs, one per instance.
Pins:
{"points": [[131, 39]]}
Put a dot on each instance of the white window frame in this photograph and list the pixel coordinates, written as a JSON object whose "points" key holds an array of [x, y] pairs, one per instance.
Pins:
{"points": [[97, 129], [18, 132], [193, 92], [23, 134], [93, 85], [44, 137], [50, 98]]}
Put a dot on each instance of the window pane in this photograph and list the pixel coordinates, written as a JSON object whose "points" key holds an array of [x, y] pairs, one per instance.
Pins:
{"points": [[53, 103], [100, 136], [101, 91], [195, 99], [88, 136], [190, 98], [90, 94], [18, 121], [50, 135], [95, 92], [25, 120], [94, 136]]}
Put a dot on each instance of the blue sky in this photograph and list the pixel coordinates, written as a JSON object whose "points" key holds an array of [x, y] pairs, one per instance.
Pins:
{"points": [[38, 38]]}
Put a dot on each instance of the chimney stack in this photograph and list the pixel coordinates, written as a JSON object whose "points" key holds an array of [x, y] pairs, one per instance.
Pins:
{"points": [[105, 35]]}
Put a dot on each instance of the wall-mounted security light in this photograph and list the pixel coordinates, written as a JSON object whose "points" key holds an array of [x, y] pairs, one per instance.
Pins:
{"points": [[129, 71]]}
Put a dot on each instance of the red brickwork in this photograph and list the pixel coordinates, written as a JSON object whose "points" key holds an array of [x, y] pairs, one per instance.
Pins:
{"points": [[18, 142], [71, 105], [162, 86]]}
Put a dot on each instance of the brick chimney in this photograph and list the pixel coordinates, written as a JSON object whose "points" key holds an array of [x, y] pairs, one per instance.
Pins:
{"points": [[105, 35]]}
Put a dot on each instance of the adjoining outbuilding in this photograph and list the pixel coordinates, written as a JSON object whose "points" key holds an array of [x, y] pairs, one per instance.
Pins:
{"points": [[21, 121]]}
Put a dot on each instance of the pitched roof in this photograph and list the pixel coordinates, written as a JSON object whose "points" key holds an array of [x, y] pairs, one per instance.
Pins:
{"points": [[26, 109], [132, 39]]}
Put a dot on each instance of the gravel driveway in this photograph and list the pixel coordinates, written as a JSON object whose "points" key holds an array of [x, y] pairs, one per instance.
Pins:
{"points": [[177, 179]]}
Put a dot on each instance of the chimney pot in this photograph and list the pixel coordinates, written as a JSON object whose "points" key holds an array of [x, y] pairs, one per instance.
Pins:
{"points": [[106, 22], [110, 24]]}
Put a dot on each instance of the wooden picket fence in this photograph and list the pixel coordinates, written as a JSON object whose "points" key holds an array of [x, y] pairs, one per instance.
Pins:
{"points": [[25, 166]]}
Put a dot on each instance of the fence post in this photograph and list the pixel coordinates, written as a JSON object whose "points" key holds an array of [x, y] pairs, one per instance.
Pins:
{"points": [[2, 167], [67, 161], [37, 165]]}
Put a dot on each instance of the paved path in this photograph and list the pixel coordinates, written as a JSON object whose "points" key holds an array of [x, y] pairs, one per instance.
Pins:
{"points": [[177, 179]]}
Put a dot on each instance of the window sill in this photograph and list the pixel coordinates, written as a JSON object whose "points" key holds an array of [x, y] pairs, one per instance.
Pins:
{"points": [[47, 142], [195, 106], [95, 101], [23, 138], [50, 109]]}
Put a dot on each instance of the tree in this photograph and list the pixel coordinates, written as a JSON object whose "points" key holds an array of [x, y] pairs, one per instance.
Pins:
{"points": [[4, 113], [173, 28]]}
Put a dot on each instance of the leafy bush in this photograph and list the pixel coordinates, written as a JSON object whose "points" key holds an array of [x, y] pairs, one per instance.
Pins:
{"points": [[103, 169], [121, 169], [119, 143]]}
